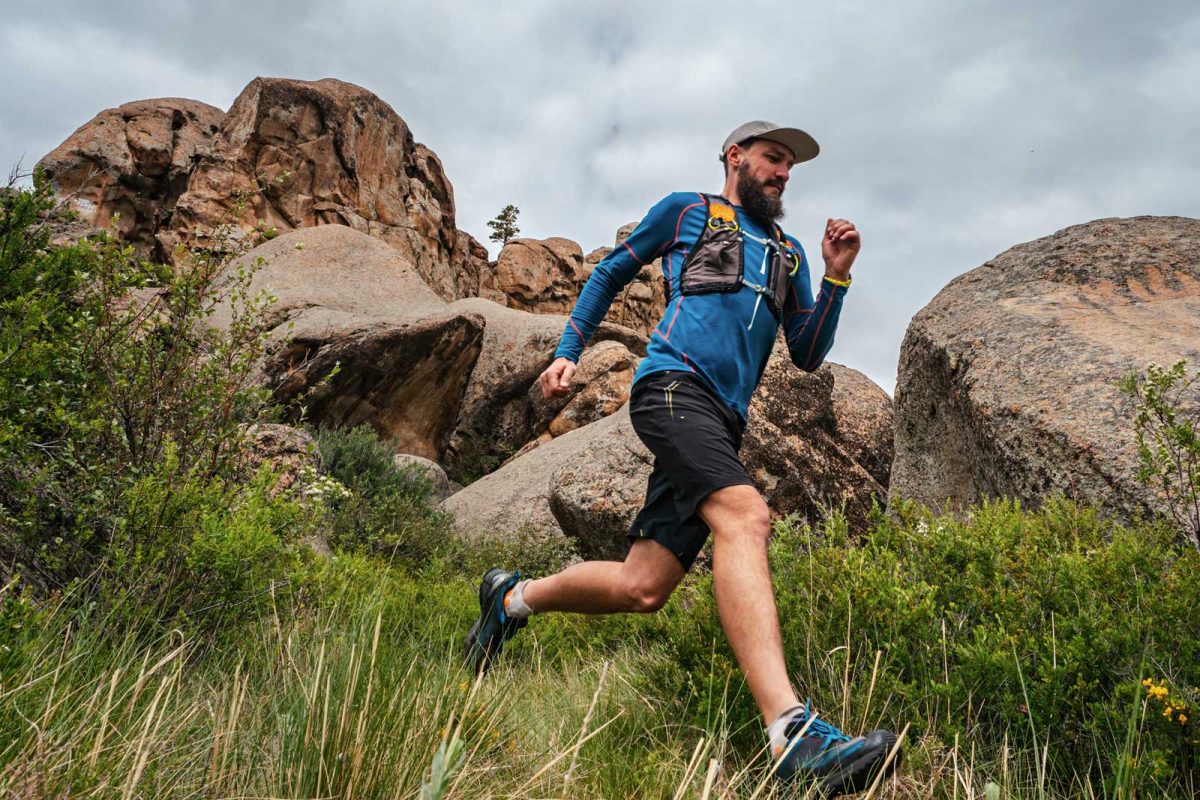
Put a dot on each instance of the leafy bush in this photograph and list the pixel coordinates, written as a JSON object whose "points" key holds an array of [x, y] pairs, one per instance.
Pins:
{"points": [[387, 511], [121, 415], [1168, 440]]}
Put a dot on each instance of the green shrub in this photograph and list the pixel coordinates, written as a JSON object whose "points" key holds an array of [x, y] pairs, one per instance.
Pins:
{"points": [[1167, 429], [122, 411], [387, 509]]}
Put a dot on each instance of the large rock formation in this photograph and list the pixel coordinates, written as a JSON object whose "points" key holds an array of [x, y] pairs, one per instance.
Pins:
{"points": [[289, 154], [793, 446], [294, 154], [587, 484], [545, 276], [1006, 384], [865, 421], [495, 418], [132, 161], [539, 275], [347, 300]]}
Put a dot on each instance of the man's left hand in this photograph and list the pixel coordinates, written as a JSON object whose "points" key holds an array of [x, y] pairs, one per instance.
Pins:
{"points": [[840, 247]]}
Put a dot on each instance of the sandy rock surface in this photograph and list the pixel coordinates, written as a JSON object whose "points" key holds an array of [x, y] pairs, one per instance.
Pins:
{"points": [[132, 161], [543, 276], [347, 299], [598, 472], [1006, 379]]}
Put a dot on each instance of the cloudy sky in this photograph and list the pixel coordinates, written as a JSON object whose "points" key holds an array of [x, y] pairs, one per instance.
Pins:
{"points": [[950, 131]]}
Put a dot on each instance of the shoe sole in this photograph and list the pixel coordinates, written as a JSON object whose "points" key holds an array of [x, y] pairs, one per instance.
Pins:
{"points": [[474, 654], [857, 775]]}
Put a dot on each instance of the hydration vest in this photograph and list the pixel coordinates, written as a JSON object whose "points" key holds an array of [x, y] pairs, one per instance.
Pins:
{"points": [[716, 262]]}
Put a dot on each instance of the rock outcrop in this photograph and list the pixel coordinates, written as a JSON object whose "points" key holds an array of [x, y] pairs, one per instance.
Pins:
{"points": [[793, 447], [543, 276], [294, 154], [495, 418], [596, 476], [1006, 383], [346, 299], [132, 162], [865, 421], [289, 154], [600, 386]]}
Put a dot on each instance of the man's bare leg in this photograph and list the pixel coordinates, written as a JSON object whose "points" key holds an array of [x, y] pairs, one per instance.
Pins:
{"points": [[741, 525], [640, 583]]}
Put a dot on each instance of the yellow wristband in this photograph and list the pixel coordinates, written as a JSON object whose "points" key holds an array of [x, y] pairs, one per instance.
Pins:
{"points": [[836, 282]]}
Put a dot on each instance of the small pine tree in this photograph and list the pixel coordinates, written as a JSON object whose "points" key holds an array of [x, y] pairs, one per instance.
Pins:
{"points": [[504, 226]]}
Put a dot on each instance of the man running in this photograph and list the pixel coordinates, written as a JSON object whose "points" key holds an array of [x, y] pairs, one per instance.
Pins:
{"points": [[734, 277]]}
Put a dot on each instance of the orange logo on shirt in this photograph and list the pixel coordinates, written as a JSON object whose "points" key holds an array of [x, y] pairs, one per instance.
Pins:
{"points": [[719, 211]]}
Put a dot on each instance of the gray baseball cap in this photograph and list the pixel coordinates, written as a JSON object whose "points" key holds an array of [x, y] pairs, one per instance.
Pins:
{"points": [[803, 146]]}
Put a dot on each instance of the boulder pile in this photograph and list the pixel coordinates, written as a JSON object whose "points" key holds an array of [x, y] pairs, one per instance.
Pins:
{"points": [[386, 314]]}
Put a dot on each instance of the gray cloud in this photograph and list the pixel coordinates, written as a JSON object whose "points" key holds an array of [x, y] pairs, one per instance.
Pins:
{"points": [[950, 131]]}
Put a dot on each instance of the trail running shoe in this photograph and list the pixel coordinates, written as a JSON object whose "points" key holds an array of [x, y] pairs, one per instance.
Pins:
{"points": [[494, 627], [837, 763]]}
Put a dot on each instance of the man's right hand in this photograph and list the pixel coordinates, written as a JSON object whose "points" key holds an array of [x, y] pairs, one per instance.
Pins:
{"points": [[556, 380]]}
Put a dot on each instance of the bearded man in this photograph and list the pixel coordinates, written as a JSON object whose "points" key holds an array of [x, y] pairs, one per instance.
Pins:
{"points": [[734, 277]]}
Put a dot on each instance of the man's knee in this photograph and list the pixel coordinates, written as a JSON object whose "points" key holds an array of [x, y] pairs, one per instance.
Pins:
{"points": [[738, 513], [646, 594]]}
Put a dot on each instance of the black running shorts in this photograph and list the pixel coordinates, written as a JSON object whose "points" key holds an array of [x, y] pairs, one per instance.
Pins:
{"points": [[695, 440]]}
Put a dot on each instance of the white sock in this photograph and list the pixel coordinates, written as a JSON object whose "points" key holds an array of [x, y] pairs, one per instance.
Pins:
{"points": [[775, 731], [514, 602]]}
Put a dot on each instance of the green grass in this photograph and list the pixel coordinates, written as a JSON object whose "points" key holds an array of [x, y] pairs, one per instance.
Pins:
{"points": [[351, 685]]}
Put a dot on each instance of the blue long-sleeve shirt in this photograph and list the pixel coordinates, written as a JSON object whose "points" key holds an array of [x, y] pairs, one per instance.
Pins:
{"points": [[724, 337]]}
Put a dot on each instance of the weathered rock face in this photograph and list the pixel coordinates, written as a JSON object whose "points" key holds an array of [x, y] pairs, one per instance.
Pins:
{"points": [[600, 386], [641, 304], [293, 154], [134, 161], [288, 451], [865, 421], [588, 484], [1006, 379], [793, 449], [545, 276], [495, 417], [347, 299], [540, 275]]}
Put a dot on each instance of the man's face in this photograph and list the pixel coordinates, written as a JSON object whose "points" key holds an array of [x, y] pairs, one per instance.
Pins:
{"points": [[762, 175]]}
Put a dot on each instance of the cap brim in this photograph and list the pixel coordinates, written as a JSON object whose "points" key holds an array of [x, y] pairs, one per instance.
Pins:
{"points": [[803, 146]]}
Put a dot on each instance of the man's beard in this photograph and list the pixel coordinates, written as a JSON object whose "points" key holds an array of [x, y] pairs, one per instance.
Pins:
{"points": [[756, 202]]}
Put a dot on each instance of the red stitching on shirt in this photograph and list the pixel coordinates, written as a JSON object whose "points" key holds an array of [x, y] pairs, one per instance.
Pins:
{"points": [[635, 255], [578, 332], [679, 222], [817, 333], [673, 316]]}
